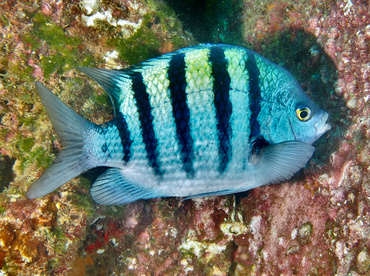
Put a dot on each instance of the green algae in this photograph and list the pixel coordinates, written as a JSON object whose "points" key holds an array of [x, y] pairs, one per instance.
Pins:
{"points": [[146, 42], [114, 211], [82, 198], [53, 263], [101, 99], [41, 156], [26, 143], [64, 50], [142, 45], [61, 53], [28, 153], [60, 240]]}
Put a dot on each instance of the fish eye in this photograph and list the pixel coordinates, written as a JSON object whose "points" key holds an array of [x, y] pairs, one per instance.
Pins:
{"points": [[303, 113]]}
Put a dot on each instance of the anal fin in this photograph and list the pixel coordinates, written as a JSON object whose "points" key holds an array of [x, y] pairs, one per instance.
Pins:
{"points": [[111, 188], [216, 193]]}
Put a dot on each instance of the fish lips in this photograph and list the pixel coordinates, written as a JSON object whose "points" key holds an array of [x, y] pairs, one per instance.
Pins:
{"points": [[321, 126]]}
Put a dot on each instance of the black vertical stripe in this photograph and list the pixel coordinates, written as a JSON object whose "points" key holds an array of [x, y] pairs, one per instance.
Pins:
{"points": [[103, 130], [146, 120], [124, 134], [120, 123], [254, 95], [221, 88], [180, 111]]}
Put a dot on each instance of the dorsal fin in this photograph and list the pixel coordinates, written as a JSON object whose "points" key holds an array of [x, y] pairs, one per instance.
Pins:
{"points": [[113, 82]]}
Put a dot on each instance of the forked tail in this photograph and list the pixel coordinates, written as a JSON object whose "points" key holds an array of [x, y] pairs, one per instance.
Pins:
{"points": [[73, 130]]}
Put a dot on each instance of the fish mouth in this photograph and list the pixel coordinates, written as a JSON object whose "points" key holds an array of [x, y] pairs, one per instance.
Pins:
{"points": [[321, 126]]}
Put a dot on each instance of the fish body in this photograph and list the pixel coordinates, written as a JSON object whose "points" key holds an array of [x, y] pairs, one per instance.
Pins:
{"points": [[206, 120]]}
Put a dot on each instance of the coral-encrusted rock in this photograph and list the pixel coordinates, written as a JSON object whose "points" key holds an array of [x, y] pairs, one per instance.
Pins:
{"points": [[327, 225], [45, 40], [315, 224]]}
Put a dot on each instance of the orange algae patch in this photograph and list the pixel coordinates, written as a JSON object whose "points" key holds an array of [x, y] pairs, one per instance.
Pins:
{"points": [[271, 7], [28, 248], [6, 235], [23, 246], [79, 267]]}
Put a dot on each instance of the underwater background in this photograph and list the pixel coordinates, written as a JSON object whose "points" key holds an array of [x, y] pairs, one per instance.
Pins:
{"points": [[314, 224]]}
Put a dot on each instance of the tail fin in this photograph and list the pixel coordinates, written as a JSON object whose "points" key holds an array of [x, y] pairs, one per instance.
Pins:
{"points": [[73, 130]]}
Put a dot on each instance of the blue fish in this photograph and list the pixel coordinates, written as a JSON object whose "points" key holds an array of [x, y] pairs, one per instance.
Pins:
{"points": [[202, 121]]}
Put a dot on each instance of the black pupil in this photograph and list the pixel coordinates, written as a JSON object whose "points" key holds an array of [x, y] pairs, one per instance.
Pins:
{"points": [[304, 114]]}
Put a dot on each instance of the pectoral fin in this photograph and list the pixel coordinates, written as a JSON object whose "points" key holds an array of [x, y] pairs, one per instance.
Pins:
{"points": [[281, 161]]}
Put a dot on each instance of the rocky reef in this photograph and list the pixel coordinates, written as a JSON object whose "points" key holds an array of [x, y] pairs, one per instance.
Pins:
{"points": [[314, 224]]}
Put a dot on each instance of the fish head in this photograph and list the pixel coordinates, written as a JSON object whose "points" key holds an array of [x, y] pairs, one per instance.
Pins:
{"points": [[292, 116], [307, 121]]}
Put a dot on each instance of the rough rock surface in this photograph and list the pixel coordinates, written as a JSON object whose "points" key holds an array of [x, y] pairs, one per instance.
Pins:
{"points": [[314, 224]]}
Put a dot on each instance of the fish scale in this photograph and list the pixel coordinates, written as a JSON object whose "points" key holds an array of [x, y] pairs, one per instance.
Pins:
{"points": [[129, 108], [163, 121], [202, 111], [240, 101], [207, 120]]}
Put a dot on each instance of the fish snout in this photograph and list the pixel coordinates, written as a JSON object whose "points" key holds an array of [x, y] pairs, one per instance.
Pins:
{"points": [[321, 126]]}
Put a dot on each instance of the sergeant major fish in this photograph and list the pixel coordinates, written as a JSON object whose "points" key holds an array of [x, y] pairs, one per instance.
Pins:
{"points": [[206, 120]]}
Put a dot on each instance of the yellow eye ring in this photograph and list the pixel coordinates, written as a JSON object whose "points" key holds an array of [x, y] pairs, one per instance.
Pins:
{"points": [[303, 114]]}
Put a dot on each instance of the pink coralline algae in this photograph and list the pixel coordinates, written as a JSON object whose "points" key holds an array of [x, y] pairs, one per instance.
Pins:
{"points": [[314, 224]]}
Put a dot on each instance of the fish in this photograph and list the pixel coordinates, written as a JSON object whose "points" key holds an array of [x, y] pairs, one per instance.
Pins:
{"points": [[207, 120]]}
